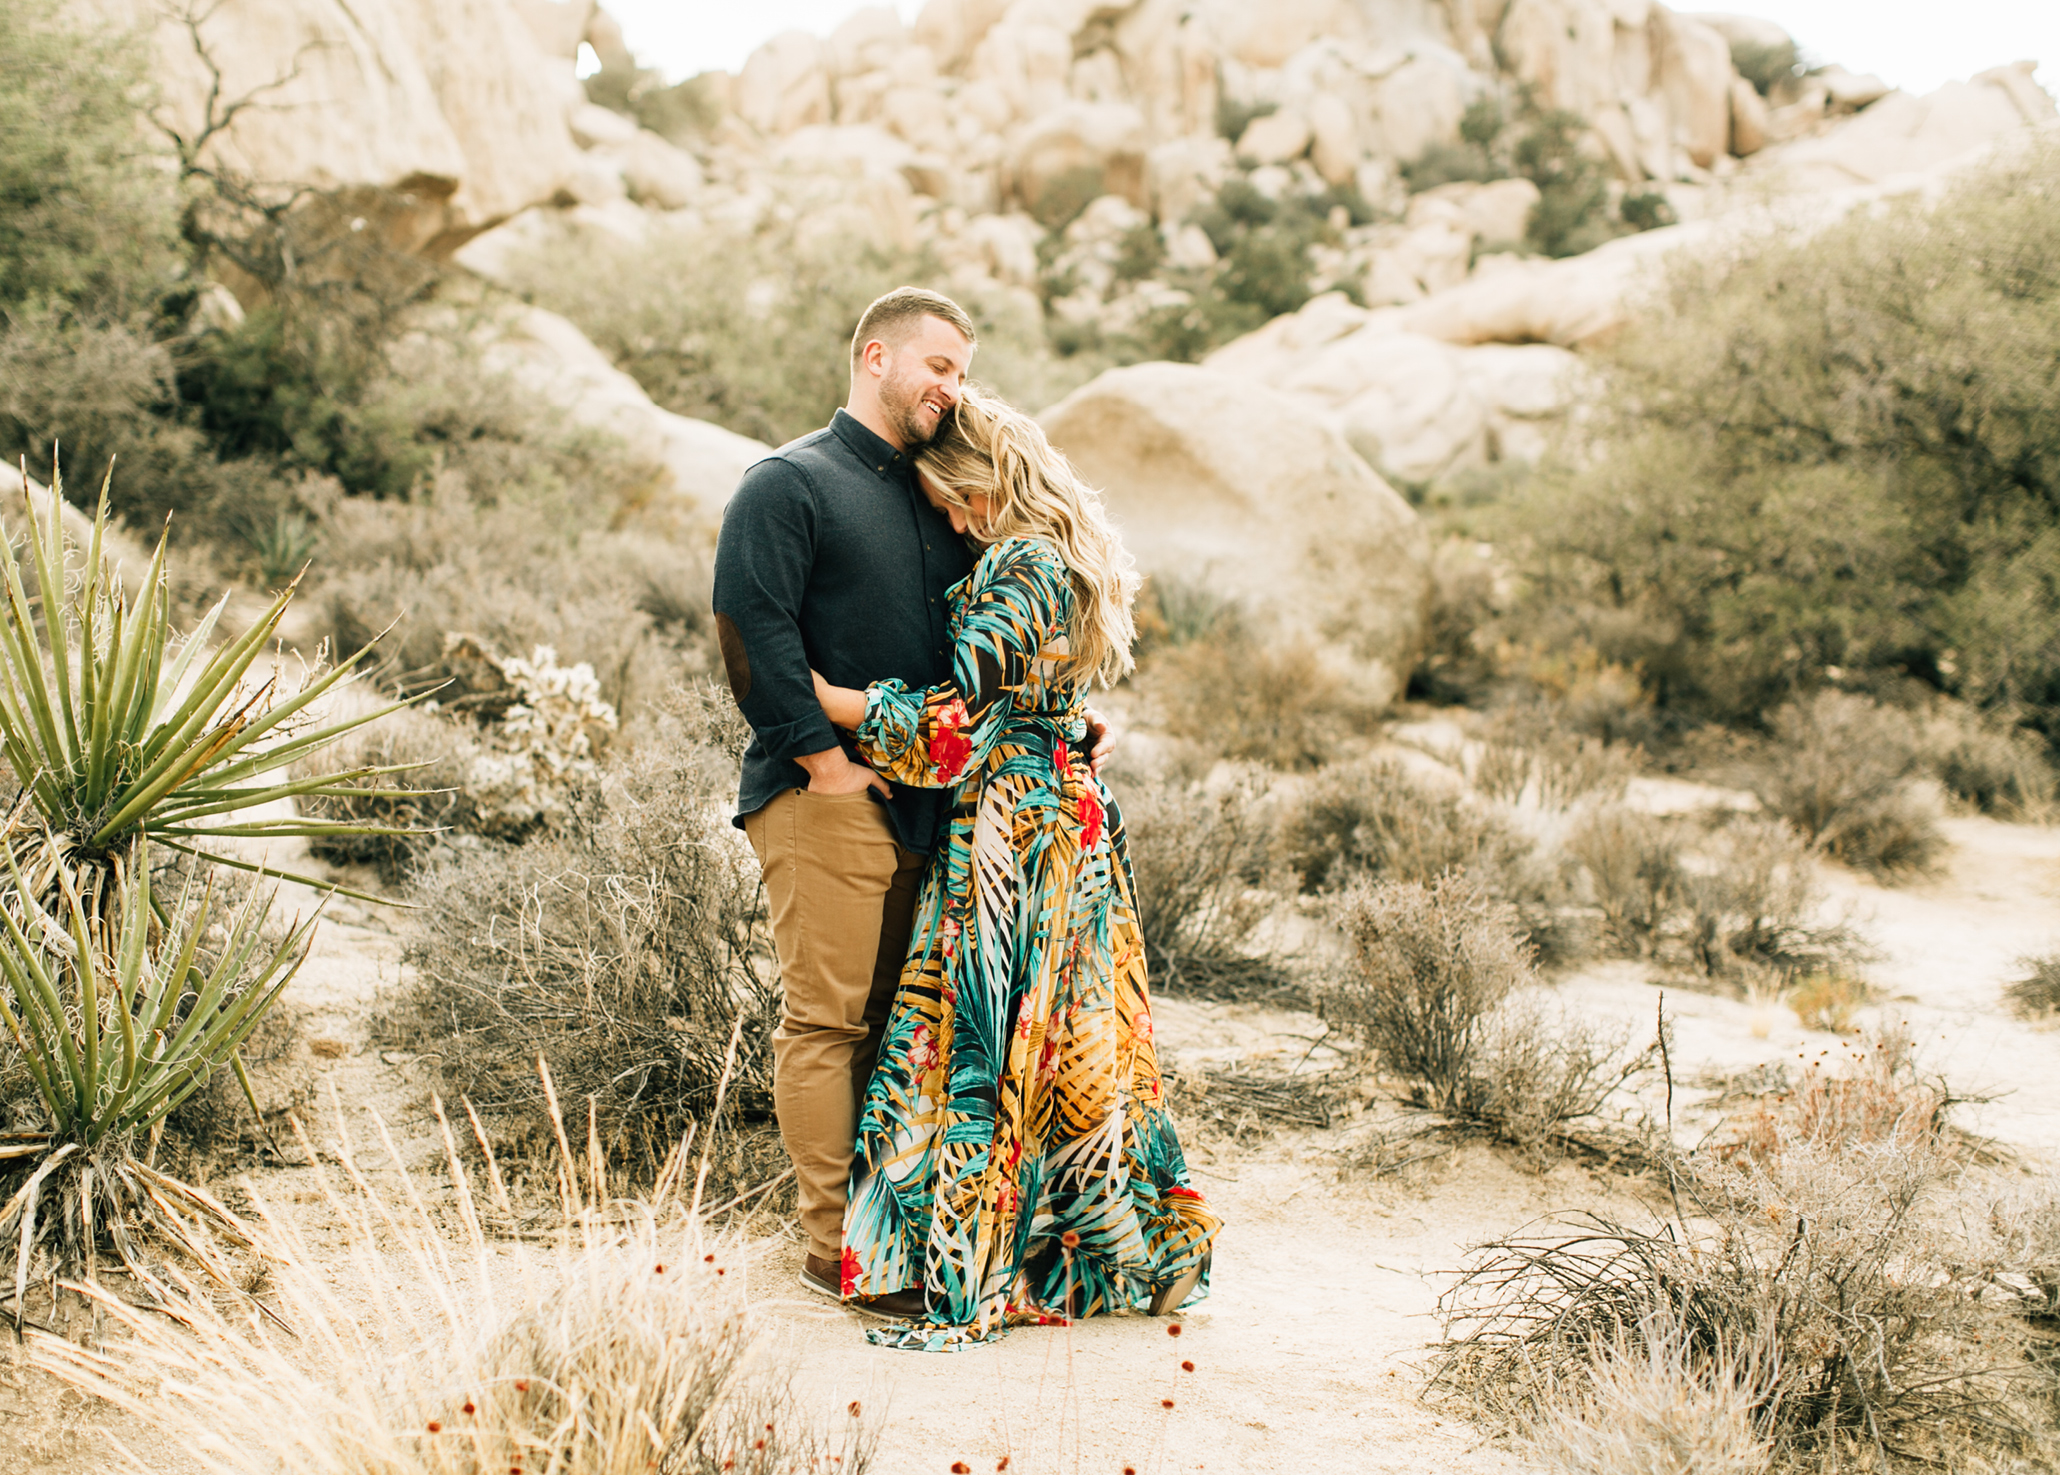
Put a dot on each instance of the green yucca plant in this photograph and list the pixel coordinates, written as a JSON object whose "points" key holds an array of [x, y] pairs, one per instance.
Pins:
{"points": [[116, 1027], [115, 730], [123, 737]]}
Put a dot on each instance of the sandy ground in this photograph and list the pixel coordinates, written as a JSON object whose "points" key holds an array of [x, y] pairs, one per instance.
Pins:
{"points": [[1309, 1354]]}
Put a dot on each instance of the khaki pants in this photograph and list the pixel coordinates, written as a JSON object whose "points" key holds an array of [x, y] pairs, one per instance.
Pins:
{"points": [[843, 893]]}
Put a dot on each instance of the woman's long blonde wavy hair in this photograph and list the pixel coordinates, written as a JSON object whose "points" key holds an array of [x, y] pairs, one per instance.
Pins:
{"points": [[988, 448]]}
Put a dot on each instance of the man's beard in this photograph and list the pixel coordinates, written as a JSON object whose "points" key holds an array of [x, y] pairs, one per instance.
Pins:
{"points": [[902, 404]]}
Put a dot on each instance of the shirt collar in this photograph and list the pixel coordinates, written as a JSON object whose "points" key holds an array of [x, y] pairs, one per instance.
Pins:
{"points": [[868, 447]]}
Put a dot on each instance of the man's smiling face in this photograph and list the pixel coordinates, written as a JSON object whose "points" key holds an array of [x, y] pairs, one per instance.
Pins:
{"points": [[924, 374]]}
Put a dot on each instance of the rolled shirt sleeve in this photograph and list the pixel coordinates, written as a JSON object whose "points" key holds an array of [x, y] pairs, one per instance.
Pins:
{"points": [[762, 563]]}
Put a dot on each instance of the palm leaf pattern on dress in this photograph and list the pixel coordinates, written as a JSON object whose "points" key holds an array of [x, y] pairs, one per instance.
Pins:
{"points": [[1018, 1098]]}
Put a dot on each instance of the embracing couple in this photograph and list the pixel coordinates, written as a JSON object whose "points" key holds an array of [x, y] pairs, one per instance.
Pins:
{"points": [[911, 605]]}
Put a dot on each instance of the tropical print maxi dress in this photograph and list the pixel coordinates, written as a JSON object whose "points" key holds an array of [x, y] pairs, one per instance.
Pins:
{"points": [[1014, 1150]]}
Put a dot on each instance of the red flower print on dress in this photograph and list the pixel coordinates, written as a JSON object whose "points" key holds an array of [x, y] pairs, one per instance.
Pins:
{"points": [[1060, 757], [1090, 819], [1048, 1062], [850, 1267], [922, 1051], [1143, 1024], [948, 935], [949, 747]]}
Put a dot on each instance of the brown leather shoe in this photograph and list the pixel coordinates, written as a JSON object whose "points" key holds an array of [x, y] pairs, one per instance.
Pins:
{"points": [[824, 1277], [907, 1305]]}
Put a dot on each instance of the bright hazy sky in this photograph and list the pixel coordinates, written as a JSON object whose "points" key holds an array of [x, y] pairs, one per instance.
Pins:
{"points": [[1915, 44]]}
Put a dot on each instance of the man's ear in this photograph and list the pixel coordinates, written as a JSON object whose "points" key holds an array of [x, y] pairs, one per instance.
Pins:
{"points": [[873, 357]]}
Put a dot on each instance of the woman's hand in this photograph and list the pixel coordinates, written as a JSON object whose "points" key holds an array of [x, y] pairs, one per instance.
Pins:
{"points": [[1101, 740], [843, 705]]}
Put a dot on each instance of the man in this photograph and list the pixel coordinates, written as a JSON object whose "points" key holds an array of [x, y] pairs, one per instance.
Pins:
{"points": [[830, 557]]}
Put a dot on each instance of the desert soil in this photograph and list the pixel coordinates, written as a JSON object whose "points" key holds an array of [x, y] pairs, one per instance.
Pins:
{"points": [[1310, 1354]]}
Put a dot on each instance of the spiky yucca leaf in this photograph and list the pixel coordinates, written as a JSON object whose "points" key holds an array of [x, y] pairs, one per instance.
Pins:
{"points": [[117, 1024], [116, 730]]}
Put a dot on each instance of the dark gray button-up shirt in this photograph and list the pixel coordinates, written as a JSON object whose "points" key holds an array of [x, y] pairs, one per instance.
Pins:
{"points": [[830, 557]]}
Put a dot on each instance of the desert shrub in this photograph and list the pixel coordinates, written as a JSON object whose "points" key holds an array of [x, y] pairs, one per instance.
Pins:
{"points": [[1245, 696], [685, 112], [1455, 669], [626, 949], [1437, 986], [1827, 461], [1839, 770], [1525, 752], [1429, 966], [1990, 762], [1828, 999], [1198, 854], [1871, 1093], [87, 218], [2036, 991], [1368, 818], [1839, 1278], [1731, 898], [1651, 1403], [1633, 862]]}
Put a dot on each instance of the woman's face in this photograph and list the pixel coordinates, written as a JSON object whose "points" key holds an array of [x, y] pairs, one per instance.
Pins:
{"points": [[973, 518]]}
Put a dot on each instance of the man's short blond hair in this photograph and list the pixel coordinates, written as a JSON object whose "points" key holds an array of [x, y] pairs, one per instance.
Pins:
{"points": [[893, 317]]}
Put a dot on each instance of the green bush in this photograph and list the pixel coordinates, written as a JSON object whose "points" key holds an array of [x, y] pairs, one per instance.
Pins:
{"points": [[1840, 770], [1831, 460], [1370, 819]]}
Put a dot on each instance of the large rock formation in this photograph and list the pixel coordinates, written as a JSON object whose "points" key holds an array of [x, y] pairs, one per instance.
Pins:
{"points": [[1213, 479], [450, 106]]}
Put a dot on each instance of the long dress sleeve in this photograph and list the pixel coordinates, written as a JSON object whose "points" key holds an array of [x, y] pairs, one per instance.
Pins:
{"points": [[1019, 601]]}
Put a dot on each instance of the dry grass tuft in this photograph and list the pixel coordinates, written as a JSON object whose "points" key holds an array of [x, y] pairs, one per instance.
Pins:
{"points": [[2036, 993], [616, 1343], [1652, 1404]]}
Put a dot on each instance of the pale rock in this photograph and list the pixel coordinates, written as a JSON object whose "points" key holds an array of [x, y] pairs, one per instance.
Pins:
{"points": [[593, 125], [1273, 353], [1565, 50], [1380, 186], [1749, 122], [595, 179], [1334, 138], [1413, 416], [1268, 35], [1098, 77], [1743, 30], [452, 107], [1188, 248], [1435, 255], [1025, 67], [932, 175], [492, 254], [1182, 172], [655, 171], [952, 28], [918, 114], [853, 150], [1007, 245], [1848, 92], [558, 25], [785, 84], [867, 41], [604, 34], [1527, 381], [548, 355], [1694, 77], [1497, 213], [1107, 138], [2018, 81], [860, 99], [1420, 103], [1902, 134], [1272, 181], [1214, 478], [1275, 138]]}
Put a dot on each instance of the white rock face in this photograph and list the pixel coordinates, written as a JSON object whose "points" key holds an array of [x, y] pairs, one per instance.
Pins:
{"points": [[449, 104], [548, 355], [1211, 477]]}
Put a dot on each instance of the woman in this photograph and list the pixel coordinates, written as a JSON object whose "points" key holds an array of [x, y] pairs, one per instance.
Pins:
{"points": [[1015, 1158]]}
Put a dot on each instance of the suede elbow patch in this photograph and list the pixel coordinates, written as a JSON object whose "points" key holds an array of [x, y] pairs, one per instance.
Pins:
{"points": [[735, 661]]}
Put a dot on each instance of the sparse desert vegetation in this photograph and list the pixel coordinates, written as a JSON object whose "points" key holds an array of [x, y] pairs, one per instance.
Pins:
{"points": [[1640, 950]]}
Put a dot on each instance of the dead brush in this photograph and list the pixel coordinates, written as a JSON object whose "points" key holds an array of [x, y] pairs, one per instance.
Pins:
{"points": [[1866, 1094], [626, 951], [1834, 1271], [615, 1342]]}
